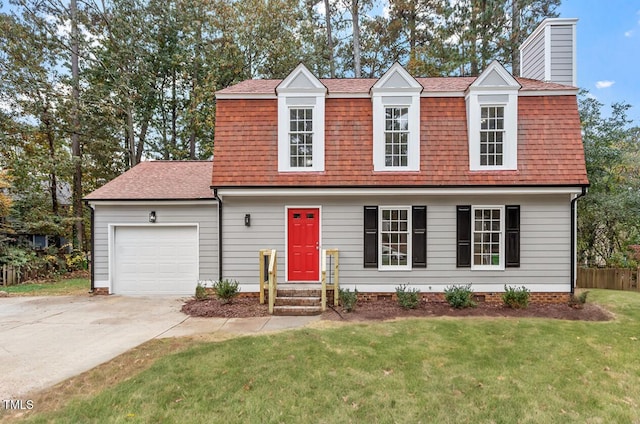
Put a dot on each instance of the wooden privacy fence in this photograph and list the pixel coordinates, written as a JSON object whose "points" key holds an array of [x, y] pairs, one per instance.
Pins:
{"points": [[608, 278]]}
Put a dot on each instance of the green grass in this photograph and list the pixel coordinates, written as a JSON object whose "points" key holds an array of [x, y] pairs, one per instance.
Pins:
{"points": [[436, 370], [60, 287]]}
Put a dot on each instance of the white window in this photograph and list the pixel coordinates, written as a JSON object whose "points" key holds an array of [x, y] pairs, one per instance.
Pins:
{"points": [[395, 237], [301, 137], [396, 136], [491, 135], [488, 237]]}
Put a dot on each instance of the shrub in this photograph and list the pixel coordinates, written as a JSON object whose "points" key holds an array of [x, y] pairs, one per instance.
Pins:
{"points": [[578, 301], [226, 290], [348, 299], [516, 297], [201, 292], [407, 298], [459, 296]]}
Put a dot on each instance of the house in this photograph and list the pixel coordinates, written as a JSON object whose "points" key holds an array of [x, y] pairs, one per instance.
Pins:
{"points": [[422, 181]]}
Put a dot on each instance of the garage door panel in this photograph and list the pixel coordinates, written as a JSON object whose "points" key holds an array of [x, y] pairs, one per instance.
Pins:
{"points": [[155, 260]]}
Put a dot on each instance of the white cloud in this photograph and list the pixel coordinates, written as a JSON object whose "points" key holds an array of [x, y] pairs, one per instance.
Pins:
{"points": [[604, 84], [629, 33]]}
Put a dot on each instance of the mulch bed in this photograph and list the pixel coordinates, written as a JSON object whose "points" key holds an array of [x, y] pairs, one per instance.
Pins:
{"points": [[388, 309]]}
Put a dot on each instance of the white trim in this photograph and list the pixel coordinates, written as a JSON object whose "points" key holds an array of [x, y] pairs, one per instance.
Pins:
{"points": [[406, 267], [94, 203], [418, 191], [111, 244], [286, 100], [405, 95], [547, 53], [475, 102], [574, 58], [501, 266], [286, 241]]}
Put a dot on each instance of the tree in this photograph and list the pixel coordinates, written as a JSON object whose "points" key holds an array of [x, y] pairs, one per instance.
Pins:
{"points": [[609, 216]]}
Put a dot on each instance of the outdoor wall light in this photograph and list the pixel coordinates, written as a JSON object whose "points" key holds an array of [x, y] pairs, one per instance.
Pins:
{"points": [[247, 220], [152, 217]]}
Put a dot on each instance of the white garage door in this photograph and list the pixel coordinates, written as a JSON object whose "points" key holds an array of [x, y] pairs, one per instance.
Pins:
{"points": [[155, 260]]}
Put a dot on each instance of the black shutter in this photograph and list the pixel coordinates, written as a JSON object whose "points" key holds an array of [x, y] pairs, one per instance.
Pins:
{"points": [[512, 236], [370, 236], [419, 237], [463, 230]]}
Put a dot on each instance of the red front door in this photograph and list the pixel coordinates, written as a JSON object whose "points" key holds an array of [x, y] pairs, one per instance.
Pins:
{"points": [[303, 249]]}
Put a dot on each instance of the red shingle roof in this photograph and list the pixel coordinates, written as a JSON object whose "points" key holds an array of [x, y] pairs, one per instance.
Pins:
{"points": [[180, 180], [550, 148]]}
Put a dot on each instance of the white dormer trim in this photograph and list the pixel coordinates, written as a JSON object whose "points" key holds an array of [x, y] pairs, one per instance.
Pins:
{"points": [[301, 90], [495, 87], [396, 89]]}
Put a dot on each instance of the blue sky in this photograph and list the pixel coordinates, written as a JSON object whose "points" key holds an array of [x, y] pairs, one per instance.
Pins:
{"points": [[608, 43]]}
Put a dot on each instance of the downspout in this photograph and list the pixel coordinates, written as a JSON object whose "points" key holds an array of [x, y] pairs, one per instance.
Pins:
{"points": [[93, 249], [215, 195], [573, 238]]}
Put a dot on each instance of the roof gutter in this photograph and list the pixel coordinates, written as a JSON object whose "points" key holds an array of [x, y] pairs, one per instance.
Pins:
{"points": [[573, 238], [215, 195]]}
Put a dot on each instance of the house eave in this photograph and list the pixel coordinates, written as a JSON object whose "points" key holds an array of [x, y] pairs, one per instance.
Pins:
{"points": [[156, 201], [399, 190]]}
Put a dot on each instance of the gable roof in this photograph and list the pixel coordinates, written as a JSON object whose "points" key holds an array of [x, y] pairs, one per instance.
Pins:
{"points": [[159, 180]]}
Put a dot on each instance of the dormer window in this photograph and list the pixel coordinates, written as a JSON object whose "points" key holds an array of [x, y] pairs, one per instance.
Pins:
{"points": [[396, 121], [301, 99], [492, 116], [396, 136], [301, 137], [491, 135]]}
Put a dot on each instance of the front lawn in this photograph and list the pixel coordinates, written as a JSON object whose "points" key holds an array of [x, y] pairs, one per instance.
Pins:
{"points": [[429, 370], [58, 287]]}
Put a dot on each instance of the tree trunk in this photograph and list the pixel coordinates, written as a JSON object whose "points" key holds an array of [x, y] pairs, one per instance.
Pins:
{"points": [[78, 233], [131, 139], [473, 36], [355, 15], [332, 65], [515, 36]]}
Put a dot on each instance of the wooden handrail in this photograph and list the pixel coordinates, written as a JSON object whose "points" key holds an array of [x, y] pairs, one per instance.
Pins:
{"points": [[264, 276], [336, 277], [273, 279]]}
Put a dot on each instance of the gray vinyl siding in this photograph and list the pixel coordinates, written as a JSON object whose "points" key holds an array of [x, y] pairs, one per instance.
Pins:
{"points": [[562, 54], [545, 241], [206, 216], [533, 60]]}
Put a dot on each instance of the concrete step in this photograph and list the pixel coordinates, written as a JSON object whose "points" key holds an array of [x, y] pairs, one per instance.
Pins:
{"points": [[298, 301], [297, 310]]}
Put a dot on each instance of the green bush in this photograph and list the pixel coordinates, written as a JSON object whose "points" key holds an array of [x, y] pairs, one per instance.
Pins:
{"points": [[226, 290], [578, 301], [459, 296], [348, 299], [516, 297], [201, 292], [407, 298]]}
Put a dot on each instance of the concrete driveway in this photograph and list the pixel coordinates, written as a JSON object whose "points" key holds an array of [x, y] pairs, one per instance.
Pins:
{"points": [[45, 340]]}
